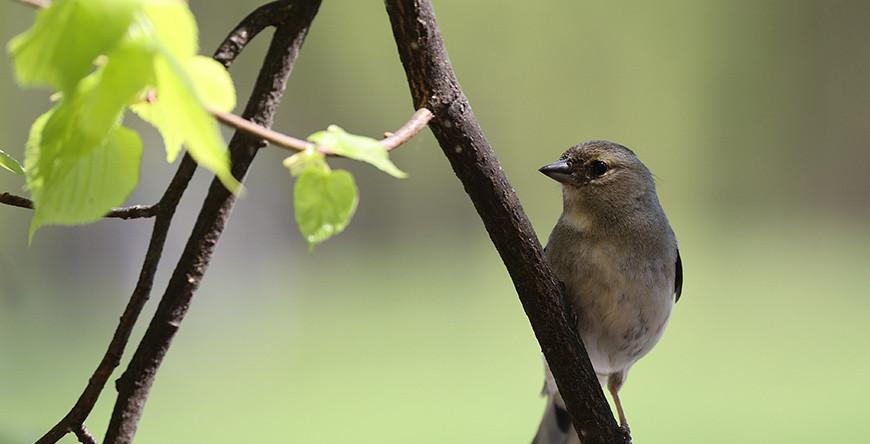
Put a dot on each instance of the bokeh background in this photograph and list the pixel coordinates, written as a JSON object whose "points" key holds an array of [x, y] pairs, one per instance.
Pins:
{"points": [[755, 117]]}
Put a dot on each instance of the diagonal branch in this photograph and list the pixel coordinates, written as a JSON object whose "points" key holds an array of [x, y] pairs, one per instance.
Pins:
{"points": [[84, 435], [434, 85], [164, 211], [135, 383], [133, 212]]}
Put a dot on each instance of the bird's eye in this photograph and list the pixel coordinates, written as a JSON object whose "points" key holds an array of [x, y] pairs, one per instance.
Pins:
{"points": [[598, 167]]}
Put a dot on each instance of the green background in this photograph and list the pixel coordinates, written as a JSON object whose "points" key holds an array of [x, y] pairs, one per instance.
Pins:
{"points": [[754, 116]]}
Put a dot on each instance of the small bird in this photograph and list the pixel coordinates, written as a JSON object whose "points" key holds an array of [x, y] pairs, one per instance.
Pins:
{"points": [[616, 254]]}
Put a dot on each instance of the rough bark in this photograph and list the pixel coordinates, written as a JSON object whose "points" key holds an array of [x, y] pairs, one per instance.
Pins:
{"points": [[434, 85]]}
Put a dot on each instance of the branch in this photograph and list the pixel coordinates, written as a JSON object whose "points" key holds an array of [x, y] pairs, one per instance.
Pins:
{"points": [[413, 126], [266, 134], [135, 383], [434, 85], [269, 15], [133, 212], [410, 129], [164, 211], [112, 358], [84, 435]]}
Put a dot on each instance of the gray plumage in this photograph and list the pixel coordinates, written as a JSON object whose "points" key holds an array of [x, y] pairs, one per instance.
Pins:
{"points": [[617, 256]]}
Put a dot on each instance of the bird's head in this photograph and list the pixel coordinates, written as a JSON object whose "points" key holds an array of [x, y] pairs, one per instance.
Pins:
{"points": [[601, 180]]}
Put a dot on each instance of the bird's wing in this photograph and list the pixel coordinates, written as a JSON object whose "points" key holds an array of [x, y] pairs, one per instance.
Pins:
{"points": [[678, 279]]}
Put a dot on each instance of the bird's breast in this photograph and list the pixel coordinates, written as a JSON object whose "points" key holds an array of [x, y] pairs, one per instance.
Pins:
{"points": [[623, 296]]}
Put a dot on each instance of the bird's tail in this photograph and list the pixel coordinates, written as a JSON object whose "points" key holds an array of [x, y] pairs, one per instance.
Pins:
{"points": [[555, 426]]}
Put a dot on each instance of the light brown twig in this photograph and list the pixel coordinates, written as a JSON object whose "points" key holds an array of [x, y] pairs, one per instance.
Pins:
{"points": [[413, 126], [38, 4]]}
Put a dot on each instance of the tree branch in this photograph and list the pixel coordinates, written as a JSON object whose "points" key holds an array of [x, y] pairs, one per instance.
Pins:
{"points": [[164, 211], [413, 126], [133, 212], [434, 85], [84, 435], [135, 384], [112, 358]]}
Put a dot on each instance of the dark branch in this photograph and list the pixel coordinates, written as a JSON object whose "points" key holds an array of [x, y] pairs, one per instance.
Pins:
{"points": [[134, 212], [84, 435], [268, 15], [164, 211], [112, 358], [433, 85], [135, 384]]}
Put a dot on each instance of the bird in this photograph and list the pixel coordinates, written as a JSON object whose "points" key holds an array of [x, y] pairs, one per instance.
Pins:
{"points": [[617, 257]]}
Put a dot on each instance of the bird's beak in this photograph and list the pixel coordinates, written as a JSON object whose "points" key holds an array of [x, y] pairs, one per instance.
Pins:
{"points": [[559, 171]]}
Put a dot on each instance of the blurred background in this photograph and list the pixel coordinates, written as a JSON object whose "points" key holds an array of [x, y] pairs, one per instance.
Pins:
{"points": [[755, 117]]}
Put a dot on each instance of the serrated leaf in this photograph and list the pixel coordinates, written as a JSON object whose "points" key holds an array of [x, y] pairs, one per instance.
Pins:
{"points": [[179, 115], [61, 46], [173, 26], [9, 163], [361, 148], [83, 119], [214, 86], [86, 116], [324, 202], [83, 188], [184, 85], [79, 146]]}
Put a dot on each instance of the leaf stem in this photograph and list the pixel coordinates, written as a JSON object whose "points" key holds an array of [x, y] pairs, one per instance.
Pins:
{"points": [[414, 125]]}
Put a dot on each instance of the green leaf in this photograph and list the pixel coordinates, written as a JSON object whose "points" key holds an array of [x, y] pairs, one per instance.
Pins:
{"points": [[214, 86], [185, 84], [356, 147], [66, 38], [179, 115], [83, 120], [172, 26], [86, 116], [81, 188], [324, 202], [80, 162], [301, 161], [7, 162]]}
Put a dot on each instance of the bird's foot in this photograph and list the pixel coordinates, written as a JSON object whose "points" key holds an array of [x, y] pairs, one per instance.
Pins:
{"points": [[626, 433]]}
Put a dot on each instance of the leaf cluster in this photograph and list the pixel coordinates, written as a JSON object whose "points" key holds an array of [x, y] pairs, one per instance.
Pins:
{"points": [[104, 57]]}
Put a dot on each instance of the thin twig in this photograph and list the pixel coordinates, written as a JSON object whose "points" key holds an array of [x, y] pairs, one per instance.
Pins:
{"points": [[410, 129], [132, 212], [271, 136], [413, 126]]}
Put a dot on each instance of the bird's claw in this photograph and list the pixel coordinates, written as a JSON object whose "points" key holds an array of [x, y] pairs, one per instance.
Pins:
{"points": [[626, 433]]}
